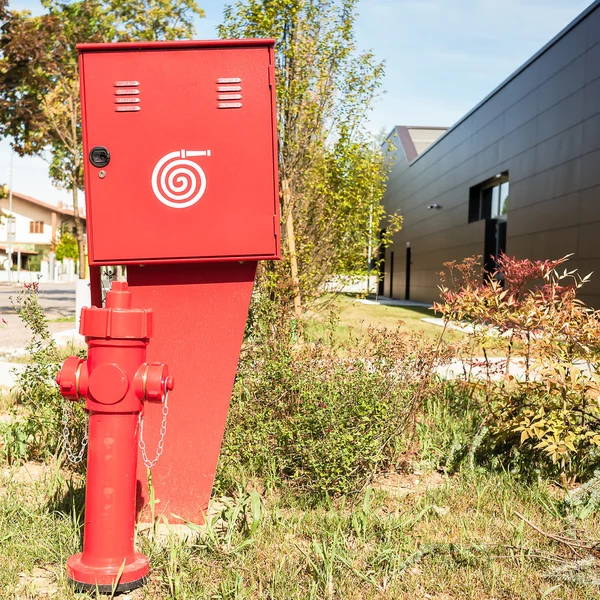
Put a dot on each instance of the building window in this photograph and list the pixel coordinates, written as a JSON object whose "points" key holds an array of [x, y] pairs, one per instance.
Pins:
{"points": [[36, 227], [489, 200]]}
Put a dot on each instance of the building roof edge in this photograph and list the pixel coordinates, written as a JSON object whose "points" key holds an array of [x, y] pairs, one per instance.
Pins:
{"points": [[562, 33], [408, 144], [51, 207]]}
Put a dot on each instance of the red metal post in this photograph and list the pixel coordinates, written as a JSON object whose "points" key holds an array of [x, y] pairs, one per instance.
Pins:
{"points": [[114, 380], [199, 336]]}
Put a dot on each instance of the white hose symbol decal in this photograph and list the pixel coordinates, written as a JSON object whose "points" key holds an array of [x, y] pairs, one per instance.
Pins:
{"points": [[177, 181]]}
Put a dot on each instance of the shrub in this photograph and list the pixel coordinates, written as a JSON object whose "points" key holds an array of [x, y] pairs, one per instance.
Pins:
{"points": [[34, 263], [529, 312], [36, 428], [324, 417]]}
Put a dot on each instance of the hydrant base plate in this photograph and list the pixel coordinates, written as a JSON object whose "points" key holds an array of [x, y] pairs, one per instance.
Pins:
{"points": [[78, 586], [85, 577]]}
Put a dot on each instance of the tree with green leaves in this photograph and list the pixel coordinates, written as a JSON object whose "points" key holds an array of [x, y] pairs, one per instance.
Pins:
{"points": [[67, 246], [331, 174], [39, 85]]}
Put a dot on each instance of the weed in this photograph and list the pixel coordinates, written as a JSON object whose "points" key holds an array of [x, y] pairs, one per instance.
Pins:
{"points": [[325, 417], [459, 540], [34, 430], [584, 500]]}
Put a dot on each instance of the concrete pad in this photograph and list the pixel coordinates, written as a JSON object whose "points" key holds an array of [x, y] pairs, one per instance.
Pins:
{"points": [[496, 369], [187, 532], [8, 373], [463, 327], [71, 338], [394, 302]]}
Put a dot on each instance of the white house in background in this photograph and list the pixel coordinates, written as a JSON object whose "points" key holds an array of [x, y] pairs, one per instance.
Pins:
{"points": [[36, 227]]}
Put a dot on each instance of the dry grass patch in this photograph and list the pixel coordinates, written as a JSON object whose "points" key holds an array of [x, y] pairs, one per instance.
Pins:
{"points": [[458, 537]]}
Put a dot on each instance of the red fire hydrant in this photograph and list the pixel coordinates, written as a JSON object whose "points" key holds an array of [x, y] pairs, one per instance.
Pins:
{"points": [[114, 380]]}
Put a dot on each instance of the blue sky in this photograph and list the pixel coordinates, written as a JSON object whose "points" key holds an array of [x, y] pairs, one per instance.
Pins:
{"points": [[442, 57]]}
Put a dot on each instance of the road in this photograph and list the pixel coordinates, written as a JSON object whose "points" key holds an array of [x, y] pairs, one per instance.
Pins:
{"points": [[57, 300]]}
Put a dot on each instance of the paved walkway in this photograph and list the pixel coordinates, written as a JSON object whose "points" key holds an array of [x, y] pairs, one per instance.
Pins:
{"points": [[393, 302], [57, 300]]}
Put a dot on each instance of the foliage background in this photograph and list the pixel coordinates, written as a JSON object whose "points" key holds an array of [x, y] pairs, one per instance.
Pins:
{"points": [[39, 81], [331, 172]]}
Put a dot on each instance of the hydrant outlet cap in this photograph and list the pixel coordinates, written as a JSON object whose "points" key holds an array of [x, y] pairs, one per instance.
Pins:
{"points": [[108, 384]]}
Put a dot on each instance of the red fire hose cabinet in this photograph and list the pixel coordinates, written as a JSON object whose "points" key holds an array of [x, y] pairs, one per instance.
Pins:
{"points": [[181, 146]]}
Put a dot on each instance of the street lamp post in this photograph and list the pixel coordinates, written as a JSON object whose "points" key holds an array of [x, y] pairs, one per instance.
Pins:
{"points": [[10, 222]]}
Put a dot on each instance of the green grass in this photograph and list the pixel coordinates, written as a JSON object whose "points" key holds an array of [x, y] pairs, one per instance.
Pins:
{"points": [[355, 317], [409, 535], [460, 538], [7, 399], [420, 531], [71, 319]]}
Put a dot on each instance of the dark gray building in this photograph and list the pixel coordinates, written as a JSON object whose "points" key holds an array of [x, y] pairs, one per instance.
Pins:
{"points": [[519, 173]]}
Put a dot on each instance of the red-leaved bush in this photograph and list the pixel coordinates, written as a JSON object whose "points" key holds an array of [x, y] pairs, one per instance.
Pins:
{"points": [[546, 398]]}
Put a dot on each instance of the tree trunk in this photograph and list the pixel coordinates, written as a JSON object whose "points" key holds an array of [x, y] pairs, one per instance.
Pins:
{"points": [[79, 232], [291, 243]]}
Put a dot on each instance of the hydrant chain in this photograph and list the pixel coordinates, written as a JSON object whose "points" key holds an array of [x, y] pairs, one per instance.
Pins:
{"points": [[73, 457], [163, 430]]}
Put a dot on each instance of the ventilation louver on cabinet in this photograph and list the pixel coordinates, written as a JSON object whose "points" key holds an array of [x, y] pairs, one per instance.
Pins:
{"points": [[229, 92], [127, 96]]}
